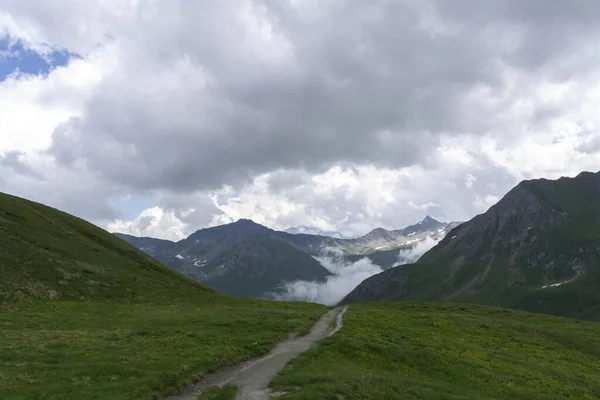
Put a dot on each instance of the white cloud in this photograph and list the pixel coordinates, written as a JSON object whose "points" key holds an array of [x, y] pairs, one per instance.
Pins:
{"points": [[32, 106], [590, 144], [297, 113], [152, 222], [81, 28], [469, 181], [346, 277], [411, 255]]}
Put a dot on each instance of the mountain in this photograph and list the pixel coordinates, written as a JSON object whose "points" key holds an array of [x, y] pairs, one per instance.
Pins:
{"points": [[243, 258], [92, 317], [398, 247], [537, 249], [256, 266], [381, 239], [46, 254], [248, 259], [310, 230]]}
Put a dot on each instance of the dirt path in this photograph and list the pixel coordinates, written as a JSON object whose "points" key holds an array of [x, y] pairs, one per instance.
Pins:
{"points": [[253, 377]]}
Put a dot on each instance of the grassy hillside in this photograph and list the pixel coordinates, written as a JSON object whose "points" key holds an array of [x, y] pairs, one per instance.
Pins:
{"points": [[537, 249], [85, 315], [88, 350], [46, 254], [448, 351]]}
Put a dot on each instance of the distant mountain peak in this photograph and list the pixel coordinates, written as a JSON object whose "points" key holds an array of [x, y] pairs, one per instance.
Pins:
{"points": [[311, 230], [428, 223], [588, 174], [535, 249], [245, 221], [429, 220], [379, 230]]}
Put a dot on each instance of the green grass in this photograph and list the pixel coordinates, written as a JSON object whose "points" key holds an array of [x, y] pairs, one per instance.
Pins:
{"points": [[448, 351], [75, 350], [84, 315], [46, 254], [541, 233], [226, 392]]}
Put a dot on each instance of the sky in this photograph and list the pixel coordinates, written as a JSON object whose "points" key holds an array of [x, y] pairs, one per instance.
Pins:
{"points": [[161, 117]]}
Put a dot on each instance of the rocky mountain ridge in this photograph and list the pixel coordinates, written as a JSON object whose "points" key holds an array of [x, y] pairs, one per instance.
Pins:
{"points": [[537, 249], [248, 259]]}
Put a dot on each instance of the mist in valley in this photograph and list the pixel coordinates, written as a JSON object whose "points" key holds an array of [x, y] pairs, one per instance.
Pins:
{"points": [[346, 276]]}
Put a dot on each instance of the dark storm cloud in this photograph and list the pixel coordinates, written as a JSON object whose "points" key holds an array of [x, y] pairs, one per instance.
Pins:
{"points": [[196, 105]]}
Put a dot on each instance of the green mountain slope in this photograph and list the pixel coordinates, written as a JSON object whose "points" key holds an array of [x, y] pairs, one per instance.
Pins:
{"points": [[48, 254], [416, 351], [84, 315], [538, 249], [212, 255]]}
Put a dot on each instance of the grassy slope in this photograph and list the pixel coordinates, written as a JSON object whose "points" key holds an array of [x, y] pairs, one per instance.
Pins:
{"points": [[134, 351], [541, 233], [85, 315], [577, 237], [47, 255], [448, 351]]}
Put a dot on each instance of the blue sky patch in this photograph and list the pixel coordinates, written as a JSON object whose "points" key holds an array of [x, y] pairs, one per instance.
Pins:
{"points": [[14, 56], [132, 206]]}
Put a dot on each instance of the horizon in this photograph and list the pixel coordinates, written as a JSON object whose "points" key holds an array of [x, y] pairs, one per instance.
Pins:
{"points": [[292, 227]]}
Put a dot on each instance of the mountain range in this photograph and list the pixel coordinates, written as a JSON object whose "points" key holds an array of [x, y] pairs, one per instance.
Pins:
{"points": [[247, 259], [311, 230], [537, 249], [90, 316]]}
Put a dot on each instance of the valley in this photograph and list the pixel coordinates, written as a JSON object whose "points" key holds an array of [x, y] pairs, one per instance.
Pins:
{"points": [[427, 351], [84, 314], [537, 249], [299, 200], [247, 259]]}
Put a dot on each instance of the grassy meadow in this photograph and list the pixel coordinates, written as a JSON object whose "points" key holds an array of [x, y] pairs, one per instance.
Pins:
{"points": [[84, 315], [74, 350], [431, 351]]}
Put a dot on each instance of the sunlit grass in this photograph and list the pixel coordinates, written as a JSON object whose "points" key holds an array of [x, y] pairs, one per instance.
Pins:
{"points": [[125, 351], [448, 351]]}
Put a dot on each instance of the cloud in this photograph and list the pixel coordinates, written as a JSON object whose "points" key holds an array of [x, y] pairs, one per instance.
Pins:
{"points": [[340, 115], [152, 222], [591, 144], [411, 255], [31, 107], [186, 117], [346, 277], [15, 160]]}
